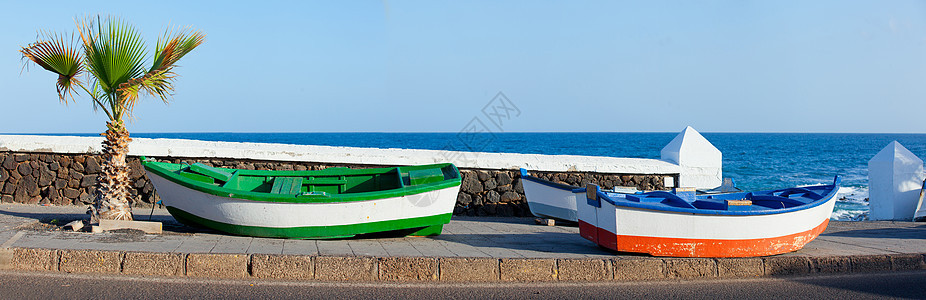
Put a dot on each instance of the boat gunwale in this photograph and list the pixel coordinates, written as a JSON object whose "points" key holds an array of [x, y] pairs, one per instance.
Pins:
{"points": [[830, 196], [220, 191]]}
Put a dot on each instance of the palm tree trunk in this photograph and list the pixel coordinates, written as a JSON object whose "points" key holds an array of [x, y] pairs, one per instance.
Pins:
{"points": [[112, 201]]}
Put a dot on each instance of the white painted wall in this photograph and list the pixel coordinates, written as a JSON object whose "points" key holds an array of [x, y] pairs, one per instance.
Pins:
{"points": [[701, 163], [895, 176], [347, 155], [682, 156]]}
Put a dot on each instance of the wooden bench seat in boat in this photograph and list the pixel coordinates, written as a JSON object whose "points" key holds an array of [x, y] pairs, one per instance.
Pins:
{"points": [[287, 185], [211, 172]]}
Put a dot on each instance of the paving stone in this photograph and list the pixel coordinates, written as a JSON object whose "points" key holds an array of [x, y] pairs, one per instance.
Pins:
{"points": [[343, 268], [870, 263], [6, 258], [35, 259], [196, 245], [266, 246], [906, 262], [584, 269], [400, 247], [90, 261], [830, 264], [300, 267], [232, 244], [469, 269], [157, 243], [427, 247], [69, 240], [494, 249], [408, 269], [300, 247], [639, 269], [334, 248], [691, 268], [740, 267], [463, 250], [367, 248], [217, 265], [786, 265], [885, 244], [527, 269], [148, 263]]}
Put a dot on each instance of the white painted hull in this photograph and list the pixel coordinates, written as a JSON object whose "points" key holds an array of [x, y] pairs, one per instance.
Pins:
{"points": [[664, 233], [549, 202], [263, 214]]}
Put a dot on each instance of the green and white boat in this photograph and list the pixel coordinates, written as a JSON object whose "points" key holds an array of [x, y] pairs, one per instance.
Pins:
{"points": [[329, 203]]}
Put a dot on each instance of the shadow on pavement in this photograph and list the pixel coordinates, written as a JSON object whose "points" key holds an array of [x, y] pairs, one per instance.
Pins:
{"points": [[918, 232], [546, 242], [908, 285]]}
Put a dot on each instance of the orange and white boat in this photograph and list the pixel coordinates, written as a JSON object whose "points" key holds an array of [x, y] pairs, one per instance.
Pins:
{"points": [[684, 223]]}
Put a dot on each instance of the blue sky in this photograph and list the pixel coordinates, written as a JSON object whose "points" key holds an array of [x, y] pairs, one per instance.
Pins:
{"points": [[431, 66]]}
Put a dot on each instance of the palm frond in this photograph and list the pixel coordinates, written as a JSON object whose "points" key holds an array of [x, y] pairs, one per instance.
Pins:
{"points": [[158, 81], [112, 52], [60, 57], [115, 54], [169, 50]]}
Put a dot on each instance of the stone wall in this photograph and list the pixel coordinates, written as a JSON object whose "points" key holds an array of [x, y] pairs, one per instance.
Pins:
{"points": [[70, 179]]}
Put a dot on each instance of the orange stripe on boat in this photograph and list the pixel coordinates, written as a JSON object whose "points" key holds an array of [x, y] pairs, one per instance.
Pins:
{"points": [[682, 247], [589, 231]]}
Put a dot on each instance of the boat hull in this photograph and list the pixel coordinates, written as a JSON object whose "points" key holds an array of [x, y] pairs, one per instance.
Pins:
{"points": [[415, 214], [660, 233], [547, 201], [659, 229]]}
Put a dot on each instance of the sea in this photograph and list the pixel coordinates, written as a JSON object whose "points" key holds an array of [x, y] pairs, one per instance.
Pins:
{"points": [[755, 161]]}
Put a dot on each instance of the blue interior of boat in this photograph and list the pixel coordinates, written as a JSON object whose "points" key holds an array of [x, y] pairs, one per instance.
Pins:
{"points": [[735, 203], [742, 203]]}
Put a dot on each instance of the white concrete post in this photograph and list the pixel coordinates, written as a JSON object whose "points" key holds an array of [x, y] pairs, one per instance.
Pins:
{"points": [[701, 163], [895, 176]]}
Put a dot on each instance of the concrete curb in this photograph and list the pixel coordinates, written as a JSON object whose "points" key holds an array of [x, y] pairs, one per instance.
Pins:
{"points": [[442, 269]]}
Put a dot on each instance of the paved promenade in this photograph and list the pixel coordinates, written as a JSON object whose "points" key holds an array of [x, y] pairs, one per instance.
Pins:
{"points": [[471, 249]]}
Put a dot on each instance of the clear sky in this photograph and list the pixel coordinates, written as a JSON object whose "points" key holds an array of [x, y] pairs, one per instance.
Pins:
{"points": [[431, 66]]}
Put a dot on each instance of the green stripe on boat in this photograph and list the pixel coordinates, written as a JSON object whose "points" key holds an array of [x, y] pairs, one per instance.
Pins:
{"points": [[330, 203], [322, 186], [425, 226]]}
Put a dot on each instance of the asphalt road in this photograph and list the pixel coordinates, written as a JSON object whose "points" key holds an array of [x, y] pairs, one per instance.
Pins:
{"points": [[21, 285]]}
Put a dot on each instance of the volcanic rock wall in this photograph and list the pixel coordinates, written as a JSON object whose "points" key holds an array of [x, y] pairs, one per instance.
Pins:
{"points": [[71, 179]]}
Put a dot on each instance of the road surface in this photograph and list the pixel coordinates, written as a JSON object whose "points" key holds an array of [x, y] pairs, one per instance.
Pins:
{"points": [[26, 285]]}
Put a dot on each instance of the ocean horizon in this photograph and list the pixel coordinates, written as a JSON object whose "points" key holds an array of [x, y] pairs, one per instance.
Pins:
{"points": [[755, 161]]}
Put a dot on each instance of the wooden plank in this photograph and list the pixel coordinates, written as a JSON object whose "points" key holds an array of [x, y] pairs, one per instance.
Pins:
{"points": [[286, 185], [147, 227], [197, 177], [278, 184], [295, 186], [210, 171], [233, 182], [739, 202]]}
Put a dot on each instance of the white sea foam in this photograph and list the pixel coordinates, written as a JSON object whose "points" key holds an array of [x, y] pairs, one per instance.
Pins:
{"points": [[846, 215], [853, 194], [851, 204]]}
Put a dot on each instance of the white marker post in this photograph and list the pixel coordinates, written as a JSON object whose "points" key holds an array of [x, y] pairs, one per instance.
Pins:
{"points": [[895, 177], [701, 163]]}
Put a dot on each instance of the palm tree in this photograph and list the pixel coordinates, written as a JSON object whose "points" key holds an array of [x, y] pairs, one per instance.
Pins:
{"points": [[112, 53]]}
